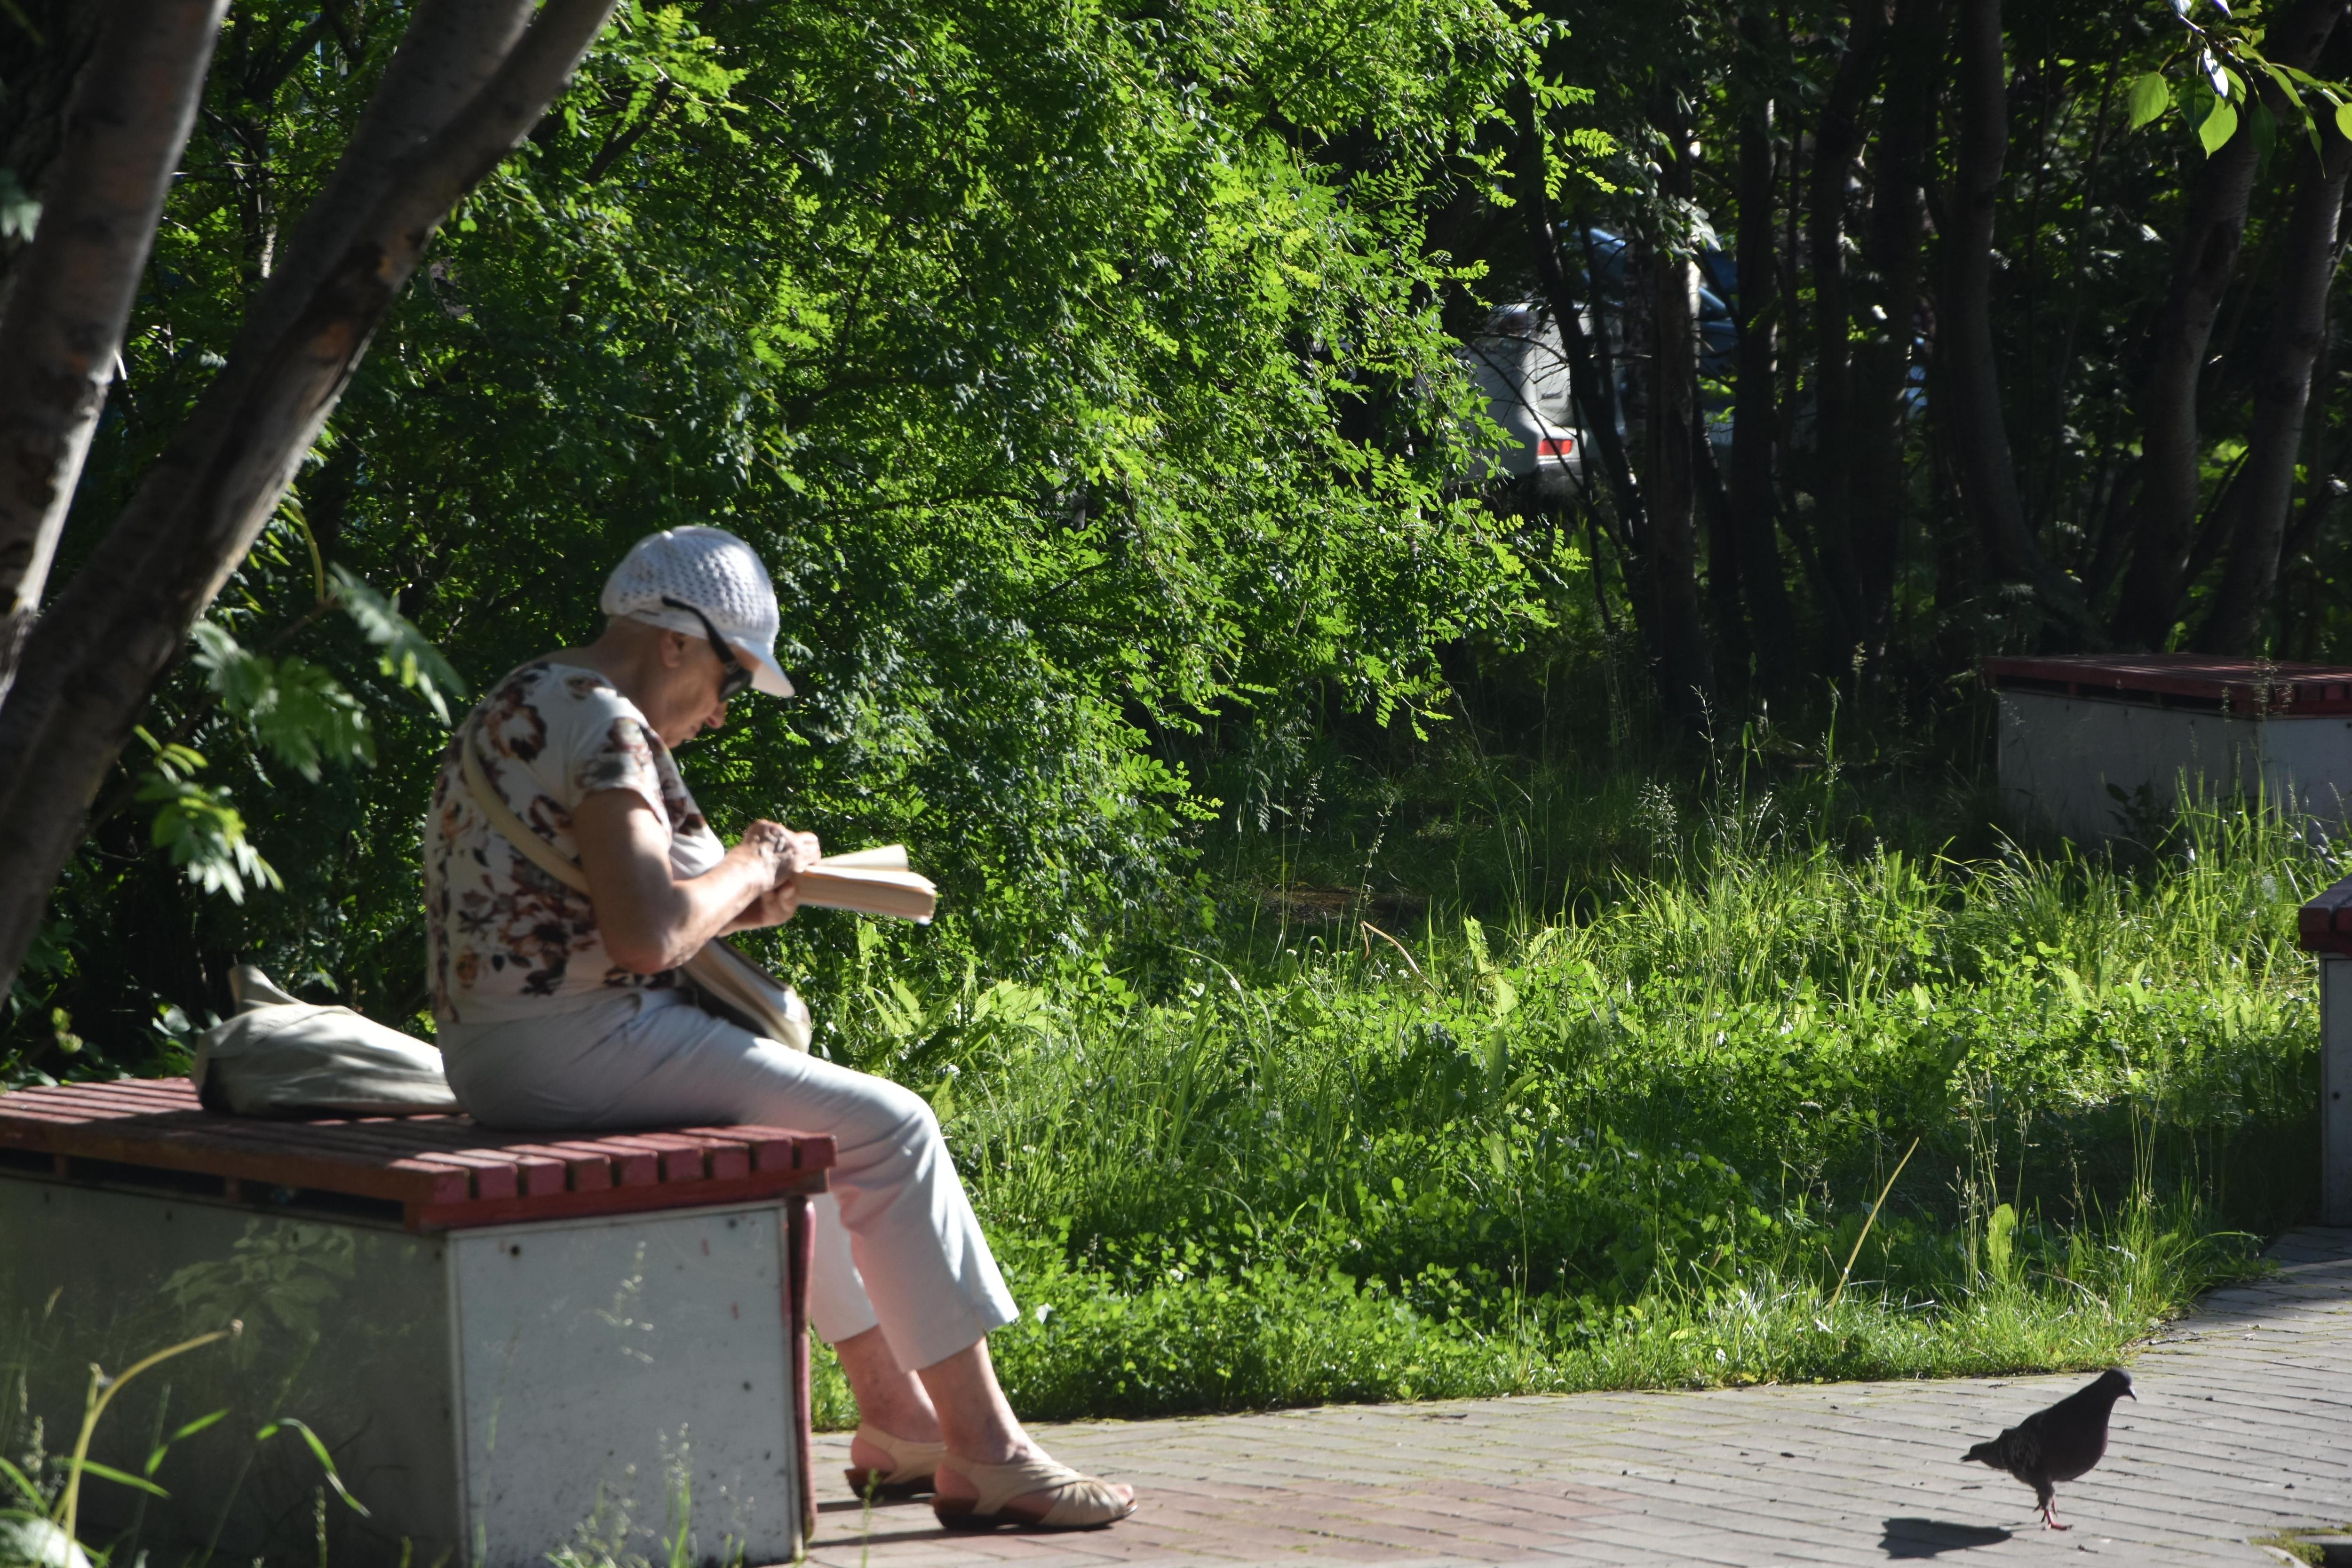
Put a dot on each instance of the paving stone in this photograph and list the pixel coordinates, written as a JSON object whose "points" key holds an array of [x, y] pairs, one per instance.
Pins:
{"points": [[2237, 1433]]}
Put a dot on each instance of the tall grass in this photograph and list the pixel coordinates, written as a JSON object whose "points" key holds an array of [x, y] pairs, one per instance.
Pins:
{"points": [[1628, 1135]]}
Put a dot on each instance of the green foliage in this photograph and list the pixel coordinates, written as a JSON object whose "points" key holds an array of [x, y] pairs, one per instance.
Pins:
{"points": [[202, 832], [405, 653], [299, 713]]}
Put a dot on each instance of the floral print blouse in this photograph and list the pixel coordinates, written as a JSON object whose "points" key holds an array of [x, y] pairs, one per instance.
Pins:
{"points": [[506, 941]]}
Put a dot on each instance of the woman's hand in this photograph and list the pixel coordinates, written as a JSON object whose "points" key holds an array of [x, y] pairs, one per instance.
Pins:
{"points": [[790, 854]]}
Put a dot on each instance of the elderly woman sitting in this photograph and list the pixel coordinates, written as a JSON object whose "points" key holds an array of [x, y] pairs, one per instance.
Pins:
{"points": [[563, 1010]]}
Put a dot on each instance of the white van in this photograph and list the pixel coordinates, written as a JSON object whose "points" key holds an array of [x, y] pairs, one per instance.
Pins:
{"points": [[1518, 363]]}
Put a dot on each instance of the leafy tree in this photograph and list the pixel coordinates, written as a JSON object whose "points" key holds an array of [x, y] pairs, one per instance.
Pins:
{"points": [[1079, 372]]}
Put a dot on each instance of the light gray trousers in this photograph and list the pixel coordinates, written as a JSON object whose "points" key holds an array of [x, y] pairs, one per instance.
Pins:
{"points": [[897, 1242]]}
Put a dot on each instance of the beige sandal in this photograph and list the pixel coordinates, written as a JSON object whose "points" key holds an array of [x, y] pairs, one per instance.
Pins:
{"points": [[912, 1465], [1077, 1501]]}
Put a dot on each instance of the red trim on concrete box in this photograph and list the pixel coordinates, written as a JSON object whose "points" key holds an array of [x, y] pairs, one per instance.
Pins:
{"points": [[800, 1246], [444, 1172], [2243, 686], [613, 1201]]}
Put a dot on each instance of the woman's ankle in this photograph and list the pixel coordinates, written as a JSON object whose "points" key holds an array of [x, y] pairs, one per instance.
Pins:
{"points": [[995, 1448], [904, 1426], [889, 1398]]}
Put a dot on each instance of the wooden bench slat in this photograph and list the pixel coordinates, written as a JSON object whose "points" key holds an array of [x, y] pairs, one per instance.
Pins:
{"points": [[770, 1148], [726, 1157], [630, 1167], [99, 1101], [681, 1158], [583, 1169]]}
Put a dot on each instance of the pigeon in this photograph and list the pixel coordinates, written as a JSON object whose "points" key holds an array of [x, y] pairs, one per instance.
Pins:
{"points": [[2059, 1444]]}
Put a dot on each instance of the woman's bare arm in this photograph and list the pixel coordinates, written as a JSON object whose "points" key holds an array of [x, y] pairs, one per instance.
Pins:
{"points": [[652, 919]]}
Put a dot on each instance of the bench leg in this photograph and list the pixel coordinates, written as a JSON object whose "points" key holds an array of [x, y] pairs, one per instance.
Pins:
{"points": [[801, 1249], [2335, 1089]]}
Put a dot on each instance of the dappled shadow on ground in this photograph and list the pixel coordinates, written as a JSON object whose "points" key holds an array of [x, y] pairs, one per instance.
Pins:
{"points": [[1933, 1537]]}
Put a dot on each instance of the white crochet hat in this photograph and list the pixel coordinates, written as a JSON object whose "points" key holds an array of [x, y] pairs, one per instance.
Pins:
{"points": [[715, 573]]}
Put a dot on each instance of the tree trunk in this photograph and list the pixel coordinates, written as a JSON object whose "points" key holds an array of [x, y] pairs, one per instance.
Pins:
{"points": [[1891, 259], [92, 661], [1671, 436], [2282, 388], [2204, 261], [1969, 385], [1749, 509], [1836, 137], [130, 118]]}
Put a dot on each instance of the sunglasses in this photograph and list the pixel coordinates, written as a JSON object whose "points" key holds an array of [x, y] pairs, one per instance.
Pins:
{"points": [[733, 678]]}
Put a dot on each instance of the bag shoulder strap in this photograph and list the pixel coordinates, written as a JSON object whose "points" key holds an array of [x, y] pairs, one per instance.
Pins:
{"points": [[509, 827]]}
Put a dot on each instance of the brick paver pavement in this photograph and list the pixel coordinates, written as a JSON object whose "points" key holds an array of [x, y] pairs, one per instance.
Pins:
{"points": [[2241, 1431]]}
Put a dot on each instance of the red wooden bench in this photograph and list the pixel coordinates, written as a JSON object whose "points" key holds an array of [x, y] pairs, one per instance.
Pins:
{"points": [[442, 1172], [155, 1186]]}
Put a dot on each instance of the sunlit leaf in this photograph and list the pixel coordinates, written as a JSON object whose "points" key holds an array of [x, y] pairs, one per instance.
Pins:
{"points": [[2147, 99], [2218, 128]]}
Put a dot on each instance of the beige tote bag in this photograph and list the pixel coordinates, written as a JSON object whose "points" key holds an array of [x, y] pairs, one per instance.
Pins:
{"points": [[282, 1055]]}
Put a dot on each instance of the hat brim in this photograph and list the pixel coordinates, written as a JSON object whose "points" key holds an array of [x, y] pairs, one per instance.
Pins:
{"points": [[766, 674]]}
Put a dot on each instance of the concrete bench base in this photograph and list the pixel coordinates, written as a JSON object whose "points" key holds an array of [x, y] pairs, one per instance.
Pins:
{"points": [[489, 1394]]}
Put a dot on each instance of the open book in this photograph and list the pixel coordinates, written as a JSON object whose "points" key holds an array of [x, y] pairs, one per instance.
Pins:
{"points": [[872, 882]]}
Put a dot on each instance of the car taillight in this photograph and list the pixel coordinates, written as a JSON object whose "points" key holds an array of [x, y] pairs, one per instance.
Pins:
{"points": [[1556, 447]]}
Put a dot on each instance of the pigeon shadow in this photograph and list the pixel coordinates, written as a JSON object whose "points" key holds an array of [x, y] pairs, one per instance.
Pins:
{"points": [[1933, 1537]]}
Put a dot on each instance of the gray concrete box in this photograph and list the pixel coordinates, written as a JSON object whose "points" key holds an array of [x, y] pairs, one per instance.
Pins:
{"points": [[2071, 728], [491, 1395]]}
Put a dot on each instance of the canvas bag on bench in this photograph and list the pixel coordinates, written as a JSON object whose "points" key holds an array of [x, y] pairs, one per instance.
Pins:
{"points": [[280, 1056], [724, 982]]}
